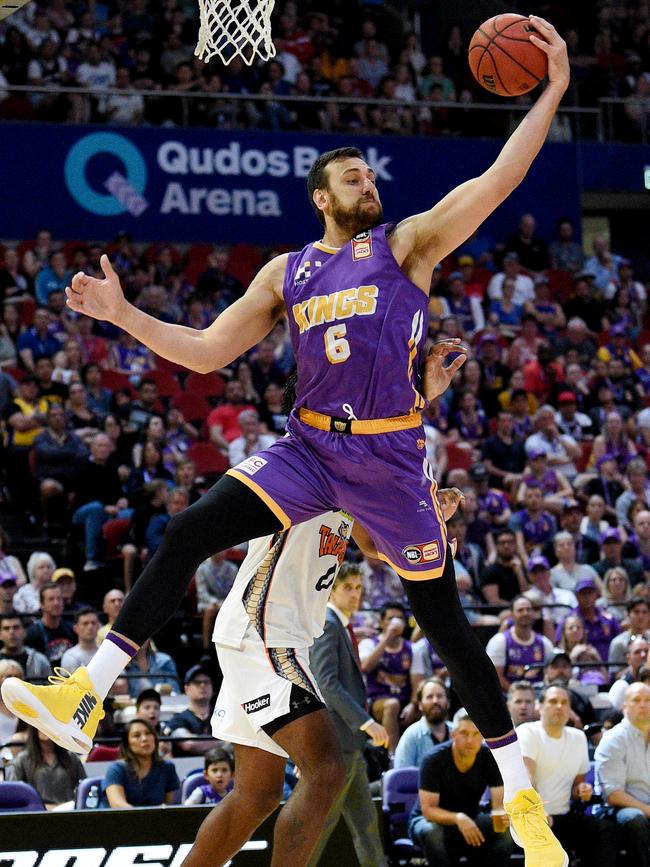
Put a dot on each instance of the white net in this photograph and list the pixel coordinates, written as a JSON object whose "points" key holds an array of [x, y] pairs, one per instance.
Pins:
{"points": [[231, 28]]}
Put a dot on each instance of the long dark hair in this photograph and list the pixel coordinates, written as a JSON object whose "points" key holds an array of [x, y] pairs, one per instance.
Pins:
{"points": [[130, 759], [34, 753]]}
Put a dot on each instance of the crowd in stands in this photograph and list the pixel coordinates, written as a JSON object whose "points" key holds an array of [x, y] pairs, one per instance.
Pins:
{"points": [[546, 430], [350, 51]]}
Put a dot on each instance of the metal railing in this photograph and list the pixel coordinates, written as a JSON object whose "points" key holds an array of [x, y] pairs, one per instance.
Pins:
{"points": [[264, 111]]}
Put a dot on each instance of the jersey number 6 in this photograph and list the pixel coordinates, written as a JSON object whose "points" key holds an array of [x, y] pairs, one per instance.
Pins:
{"points": [[337, 347]]}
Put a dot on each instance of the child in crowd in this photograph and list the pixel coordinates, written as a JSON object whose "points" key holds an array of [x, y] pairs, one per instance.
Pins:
{"points": [[219, 770]]}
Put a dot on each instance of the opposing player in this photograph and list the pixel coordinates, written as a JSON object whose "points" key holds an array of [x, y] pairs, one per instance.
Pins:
{"points": [[357, 305]]}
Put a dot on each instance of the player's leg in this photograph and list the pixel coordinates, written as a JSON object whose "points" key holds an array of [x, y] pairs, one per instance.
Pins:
{"points": [[312, 743], [258, 791]]}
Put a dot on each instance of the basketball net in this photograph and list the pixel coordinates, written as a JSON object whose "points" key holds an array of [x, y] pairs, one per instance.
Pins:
{"points": [[231, 28]]}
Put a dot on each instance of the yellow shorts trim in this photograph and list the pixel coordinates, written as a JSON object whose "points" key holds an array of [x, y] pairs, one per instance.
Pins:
{"points": [[412, 575], [360, 426], [277, 510]]}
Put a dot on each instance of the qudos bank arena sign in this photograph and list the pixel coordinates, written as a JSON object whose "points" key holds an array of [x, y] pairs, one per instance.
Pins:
{"points": [[201, 185]]}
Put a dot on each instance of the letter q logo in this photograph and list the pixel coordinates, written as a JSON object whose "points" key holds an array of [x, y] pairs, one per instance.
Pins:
{"points": [[75, 172]]}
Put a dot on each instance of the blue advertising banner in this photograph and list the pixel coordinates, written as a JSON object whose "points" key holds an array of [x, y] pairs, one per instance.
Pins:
{"points": [[200, 185]]}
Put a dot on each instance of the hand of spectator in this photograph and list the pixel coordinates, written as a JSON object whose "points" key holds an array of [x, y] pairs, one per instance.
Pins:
{"points": [[395, 628], [111, 510], [585, 791], [469, 829], [377, 734], [437, 377], [450, 499], [101, 299]]}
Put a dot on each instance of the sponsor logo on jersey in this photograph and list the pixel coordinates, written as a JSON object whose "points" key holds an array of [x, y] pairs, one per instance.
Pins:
{"points": [[362, 246], [357, 301], [424, 553], [304, 272], [252, 465], [256, 704], [86, 706], [333, 543]]}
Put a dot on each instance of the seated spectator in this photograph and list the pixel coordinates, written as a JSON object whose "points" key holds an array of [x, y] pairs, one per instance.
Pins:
{"points": [[8, 589], [567, 571], [599, 626], [470, 600], [612, 555], [214, 579], [40, 568], [569, 421], [66, 580], [54, 772], [519, 653], [10, 566], [151, 469], [469, 554], [555, 488], [637, 546], [195, 720], [532, 526], [561, 450], [386, 662], [53, 392], [614, 441], [37, 340], [555, 600], [83, 421], [524, 347], [493, 507], [265, 368], [223, 421], [381, 584], [620, 763], [218, 769], [616, 593], [251, 441], [504, 314], [59, 455], [24, 418], [141, 778], [607, 485], [503, 453], [587, 672], [467, 310], [504, 579], [431, 729], [86, 627], [51, 635], [146, 404], [572, 633], [546, 311], [512, 269], [180, 436], [446, 822], [150, 661], [113, 601], [147, 707], [637, 488], [8, 722], [177, 501], [521, 702], [636, 656], [592, 525], [13, 635], [494, 374], [565, 254], [638, 624], [557, 759]]}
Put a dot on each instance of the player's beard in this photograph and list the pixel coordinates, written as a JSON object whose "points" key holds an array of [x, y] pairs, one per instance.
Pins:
{"points": [[358, 218]]}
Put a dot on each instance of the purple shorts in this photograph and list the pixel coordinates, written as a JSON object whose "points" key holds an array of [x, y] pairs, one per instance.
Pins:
{"points": [[383, 480]]}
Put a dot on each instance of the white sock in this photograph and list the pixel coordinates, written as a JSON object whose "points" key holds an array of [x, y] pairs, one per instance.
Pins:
{"points": [[513, 770], [108, 663]]}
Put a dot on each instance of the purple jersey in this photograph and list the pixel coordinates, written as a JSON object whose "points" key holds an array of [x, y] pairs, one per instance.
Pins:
{"points": [[347, 309], [493, 502], [548, 482], [523, 661], [536, 530], [391, 677]]}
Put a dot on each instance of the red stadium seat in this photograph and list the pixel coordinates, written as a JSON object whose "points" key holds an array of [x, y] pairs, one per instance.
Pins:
{"points": [[585, 454], [17, 372], [245, 261], [193, 407], [205, 384], [197, 260], [114, 533], [458, 458], [167, 383], [27, 310], [207, 458], [169, 366], [114, 380]]}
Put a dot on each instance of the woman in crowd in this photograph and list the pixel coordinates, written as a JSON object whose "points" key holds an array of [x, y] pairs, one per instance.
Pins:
{"points": [[592, 525], [504, 314], [271, 411], [8, 722], [54, 772], [614, 441], [98, 398], [150, 469], [83, 420], [40, 567], [10, 566], [573, 633], [180, 436], [584, 657], [141, 778], [616, 593]]}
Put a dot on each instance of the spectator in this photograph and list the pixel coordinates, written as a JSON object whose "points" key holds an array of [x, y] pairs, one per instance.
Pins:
{"points": [[616, 593], [512, 269], [467, 553], [146, 405], [492, 504], [530, 248], [521, 702], [504, 314], [141, 778], [603, 264], [66, 580], [614, 442], [638, 624], [223, 421], [586, 550], [611, 555], [113, 601], [50, 634], [214, 579], [59, 454], [539, 575], [569, 421], [381, 584], [504, 579], [576, 342], [12, 634], [467, 310], [638, 488], [126, 107], [554, 487], [561, 450], [445, 821], [264, 367], [10, 566], [469, 421], [251, 441], [86, 627], [217, 284], [620, 771], [195, 720], [587, 670], [431, 729], [8, 722], [592, 525], [565, 254], [532, 526], [53, 392], [386, 662], [177, 502], [150, 661], [54, 278], [147, 707], [8, 588], [557, 759], [567, 572], [40, 568], [37, 340], [54, 772], [599, 627], [218, 769], [25, 417], [559, 672], [519, 653], [524, 348], [635, 656], [503, 453]]}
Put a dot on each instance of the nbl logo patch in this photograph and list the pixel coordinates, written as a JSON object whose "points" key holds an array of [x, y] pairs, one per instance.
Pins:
{"points": [[251, 465], [425, 553], [256, 704], [362, 246]]}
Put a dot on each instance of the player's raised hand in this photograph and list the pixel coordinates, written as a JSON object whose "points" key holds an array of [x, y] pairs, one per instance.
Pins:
{"points": [[450, 499], [554, 47], [101, 299], [437, 376]]}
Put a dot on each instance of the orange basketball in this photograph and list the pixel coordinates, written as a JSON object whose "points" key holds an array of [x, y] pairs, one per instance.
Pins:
{"points": [[503, 59]]}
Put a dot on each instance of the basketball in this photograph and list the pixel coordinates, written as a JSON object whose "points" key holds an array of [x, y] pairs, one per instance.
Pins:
{"points": [[503, 59]]}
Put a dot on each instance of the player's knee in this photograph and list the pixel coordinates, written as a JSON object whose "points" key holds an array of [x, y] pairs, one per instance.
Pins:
{"points": [[266, 798], [331, 775]]}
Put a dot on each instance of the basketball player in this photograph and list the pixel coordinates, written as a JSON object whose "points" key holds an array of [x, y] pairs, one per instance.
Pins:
{"points": [[357, 306]]}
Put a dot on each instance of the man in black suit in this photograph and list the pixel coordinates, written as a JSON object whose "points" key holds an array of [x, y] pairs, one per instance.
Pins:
{"points": [[335, 665]]}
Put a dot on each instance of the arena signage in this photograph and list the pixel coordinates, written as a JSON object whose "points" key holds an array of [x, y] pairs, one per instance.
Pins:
{"points": [[162, 855], [200, 185]]}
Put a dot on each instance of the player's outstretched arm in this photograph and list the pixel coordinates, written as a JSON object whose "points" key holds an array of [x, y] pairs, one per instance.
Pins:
{"points": [[237, 329], [428, 237]]}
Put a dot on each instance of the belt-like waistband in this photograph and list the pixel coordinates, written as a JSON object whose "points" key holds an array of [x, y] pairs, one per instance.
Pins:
{"points": [[358, 426]]}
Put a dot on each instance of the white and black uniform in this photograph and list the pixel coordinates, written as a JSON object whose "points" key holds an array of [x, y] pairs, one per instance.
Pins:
{"points": [[271, 616]]}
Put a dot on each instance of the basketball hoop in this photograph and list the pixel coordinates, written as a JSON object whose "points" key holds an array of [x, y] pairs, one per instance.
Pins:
{"points": [[235, 27]]}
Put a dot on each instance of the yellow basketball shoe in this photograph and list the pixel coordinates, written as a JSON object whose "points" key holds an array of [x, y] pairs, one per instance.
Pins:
{"points": [[530, 830], [68, 711]]}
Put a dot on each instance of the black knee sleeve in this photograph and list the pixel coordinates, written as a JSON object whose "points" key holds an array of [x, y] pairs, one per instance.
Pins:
{"points": [[229, 514], [437, 609]]}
